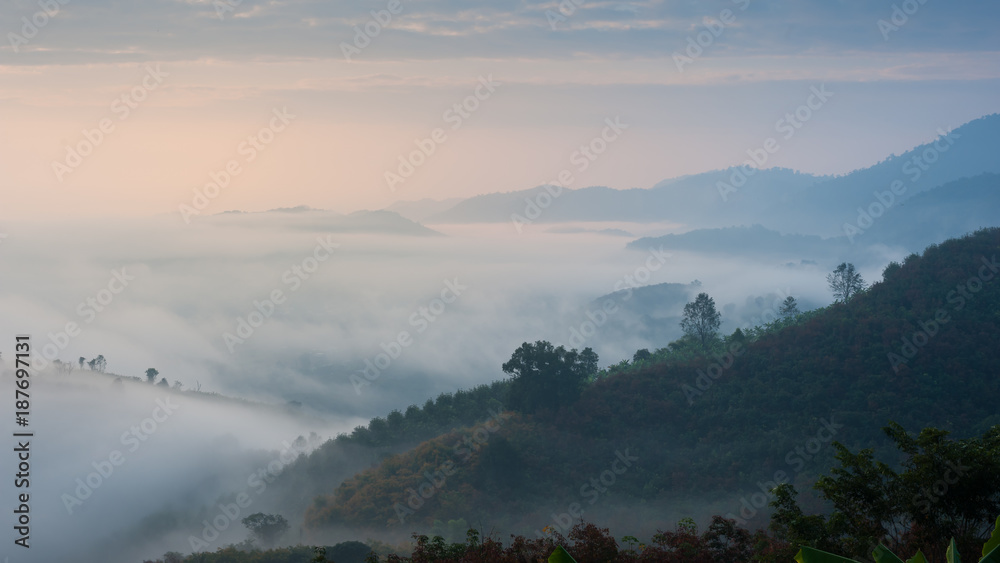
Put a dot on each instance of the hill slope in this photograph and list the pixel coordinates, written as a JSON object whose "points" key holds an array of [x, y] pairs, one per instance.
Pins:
{"points": [[918, 348]]}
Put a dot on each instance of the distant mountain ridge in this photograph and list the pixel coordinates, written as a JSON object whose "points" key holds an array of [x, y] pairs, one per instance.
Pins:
{"points": [[681, 199], [306, 218], [778, 199]]}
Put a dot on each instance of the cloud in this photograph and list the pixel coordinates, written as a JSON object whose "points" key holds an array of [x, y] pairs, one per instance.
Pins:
{"points": [[109, 31]]}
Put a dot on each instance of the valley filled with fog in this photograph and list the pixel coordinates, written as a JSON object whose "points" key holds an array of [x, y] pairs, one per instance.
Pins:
{"points": [[325, 355]]}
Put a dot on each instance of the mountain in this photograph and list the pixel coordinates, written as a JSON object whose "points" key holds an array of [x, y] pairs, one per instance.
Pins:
{"points": [[683, 430], [944, 212], [912, 223], [650, 312], [964, 152], [754, 241], [422, 209], [783, 200], [690, 199], [321, 220]]}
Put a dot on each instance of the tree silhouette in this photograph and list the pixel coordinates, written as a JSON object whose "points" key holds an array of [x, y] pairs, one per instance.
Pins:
{"points": [[98, 363], [266, 528], [151, 374], [845, 282], [701, 321], [543, 376], [789, 308], [946, 489]]}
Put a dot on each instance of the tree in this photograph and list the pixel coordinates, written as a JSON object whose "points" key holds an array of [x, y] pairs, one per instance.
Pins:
{"points": [[163, 383], [845, 282], [789, 308], [151, 374], [543, 376], [948, 488], [98, 363], [266, 528], [641, 355], [348, 552], [81, 360], [701, 321]]}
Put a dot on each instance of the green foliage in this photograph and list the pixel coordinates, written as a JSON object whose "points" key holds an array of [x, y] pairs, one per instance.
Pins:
{"points": [[830, 362], [701, 321], [232, 554], [266, 528], [948, 488], [994, 541], [544, 377], [560, 555], [789, 308], [881, 554], [845, 282]]}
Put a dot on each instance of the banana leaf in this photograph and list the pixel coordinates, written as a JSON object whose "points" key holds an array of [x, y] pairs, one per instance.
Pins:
{"points": [[811, 555], [992, 545], [952, 553], [883, 555], [560, 555]]}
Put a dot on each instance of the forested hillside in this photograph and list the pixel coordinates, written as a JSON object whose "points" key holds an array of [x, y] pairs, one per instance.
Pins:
{"points": [[918, 348]]}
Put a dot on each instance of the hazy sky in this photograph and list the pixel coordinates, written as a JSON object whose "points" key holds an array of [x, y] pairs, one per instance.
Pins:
{"points": [[180, 86], [114, 111]]}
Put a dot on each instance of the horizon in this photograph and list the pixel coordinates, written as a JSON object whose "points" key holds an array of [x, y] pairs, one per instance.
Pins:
{"points": [[243, 241], [696, 86]]}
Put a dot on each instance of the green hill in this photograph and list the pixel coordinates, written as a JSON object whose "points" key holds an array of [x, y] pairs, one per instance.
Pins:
{"points": [[919, 348]]}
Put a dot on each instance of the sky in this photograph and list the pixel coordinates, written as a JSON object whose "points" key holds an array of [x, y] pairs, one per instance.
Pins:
{"points": [[122, 119], [121, 109]]}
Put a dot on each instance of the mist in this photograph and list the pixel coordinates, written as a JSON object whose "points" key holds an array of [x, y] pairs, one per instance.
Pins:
{"points": [[313, 328]]}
